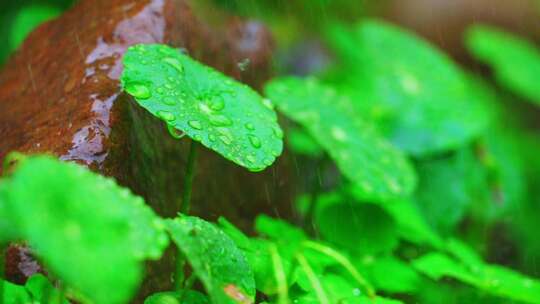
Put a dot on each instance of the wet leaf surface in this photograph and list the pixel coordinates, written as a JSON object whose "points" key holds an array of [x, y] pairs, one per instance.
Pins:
{"points": [[102, 231], [366, 158], [415, 92], [224, 115], [216, 260]]}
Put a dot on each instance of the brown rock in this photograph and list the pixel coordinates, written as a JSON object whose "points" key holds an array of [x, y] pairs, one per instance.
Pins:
{"points": [[60, 94]]}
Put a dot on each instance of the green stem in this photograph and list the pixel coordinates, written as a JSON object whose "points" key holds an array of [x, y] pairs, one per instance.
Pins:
{"points": [[343, 261], [280, 276], [188, 178], [316, 284], [179, 275]]}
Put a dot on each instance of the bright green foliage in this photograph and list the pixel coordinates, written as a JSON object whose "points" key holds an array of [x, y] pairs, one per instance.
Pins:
{"points": [[43, 291], [28, 18], [6, 228], [215, 259], [486, 178], [368, 160], [180, 297], [14, 294], [38, 289], [90, 233], [468, 268], [412, 226], [446, 189], [279, 230], [336, 221], [259, 256], [224, 115], [419, 97], [300, 142], [515, 61], [337, 289], [390, 274]]}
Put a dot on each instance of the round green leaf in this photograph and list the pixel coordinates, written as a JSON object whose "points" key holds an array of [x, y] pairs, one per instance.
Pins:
{"points": [[359, 228], [515, 61], [216, 260], [420, 98], [367, 159], [224, 115], [27, 19], [88, 231]]}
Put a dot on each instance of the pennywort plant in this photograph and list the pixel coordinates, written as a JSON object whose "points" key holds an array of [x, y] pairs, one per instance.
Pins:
{"points": [[419, 160], [200, 102]]}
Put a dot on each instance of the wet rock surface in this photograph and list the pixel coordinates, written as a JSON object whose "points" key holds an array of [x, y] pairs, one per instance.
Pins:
{"points": [[60, 94]]}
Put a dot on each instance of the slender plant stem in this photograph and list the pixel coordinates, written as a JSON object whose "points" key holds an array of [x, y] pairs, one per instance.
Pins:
{"points": [[179, 276], [345, 262], [316, 284], [188, 178], [280, 276]]}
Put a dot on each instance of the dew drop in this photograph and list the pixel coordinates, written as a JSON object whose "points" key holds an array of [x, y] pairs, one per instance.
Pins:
{"points": [[250, 158], [212, 137], [195, 124], [175, 63], [138, 90], [267, 103], [160, 90], [225, 139], [278, 132], [166, 115], [220, 120], [217, 104], [169, 101], [249, 126], [255, 141], [175, 133]]}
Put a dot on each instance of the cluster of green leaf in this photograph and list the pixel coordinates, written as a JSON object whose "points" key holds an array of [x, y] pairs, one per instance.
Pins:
{"points": [[429, 163], [93, 236], [428, 154]]}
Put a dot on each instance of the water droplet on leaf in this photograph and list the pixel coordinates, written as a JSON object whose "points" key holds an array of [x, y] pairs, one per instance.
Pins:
{"points": [[195, 124], [255, 141], [138, 90], [166, 115], [175, 63]]}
